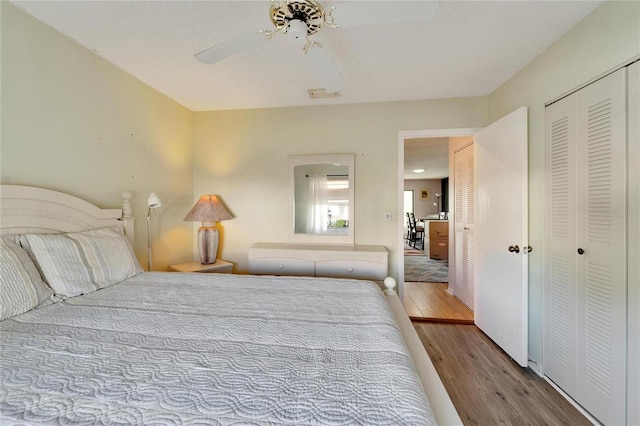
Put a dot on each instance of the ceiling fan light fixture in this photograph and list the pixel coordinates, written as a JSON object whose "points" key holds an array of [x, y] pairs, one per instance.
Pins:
{"points": [[297, 31], [308, 11]]}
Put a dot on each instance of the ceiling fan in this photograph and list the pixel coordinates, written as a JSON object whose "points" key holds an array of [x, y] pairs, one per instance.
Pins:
{"points": [[299, 19]]}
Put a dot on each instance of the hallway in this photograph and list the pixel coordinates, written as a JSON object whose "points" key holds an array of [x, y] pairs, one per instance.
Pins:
{"points": [[432, 302]]}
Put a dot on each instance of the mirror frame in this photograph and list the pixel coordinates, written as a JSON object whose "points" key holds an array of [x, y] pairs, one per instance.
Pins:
{"points": [[341, 159]]}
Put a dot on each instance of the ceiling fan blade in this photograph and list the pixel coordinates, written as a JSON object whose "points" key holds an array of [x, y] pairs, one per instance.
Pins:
{"points": [[324, 70], [358, 13], [230, 47]]}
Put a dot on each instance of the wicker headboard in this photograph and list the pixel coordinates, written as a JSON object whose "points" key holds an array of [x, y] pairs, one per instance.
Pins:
{"points": [[28, 209]]}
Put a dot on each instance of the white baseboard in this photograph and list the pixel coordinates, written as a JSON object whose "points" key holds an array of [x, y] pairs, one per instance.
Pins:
{"points": [[584, 412]]}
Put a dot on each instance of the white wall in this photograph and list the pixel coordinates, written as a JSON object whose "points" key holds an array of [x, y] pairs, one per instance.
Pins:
{"points": [[606, 38], [74, 123], [242, 155]]}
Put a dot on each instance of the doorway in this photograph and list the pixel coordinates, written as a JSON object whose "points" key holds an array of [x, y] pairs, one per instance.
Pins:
{"points": [[500, 198], [425, 171]]}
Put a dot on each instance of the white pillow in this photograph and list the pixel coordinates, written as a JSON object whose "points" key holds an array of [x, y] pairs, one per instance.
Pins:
{"points": [[82, 262], [21, 287]]}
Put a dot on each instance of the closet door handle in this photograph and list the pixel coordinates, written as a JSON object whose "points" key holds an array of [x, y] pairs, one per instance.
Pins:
{"points": [[580, 251], [514, 249]]}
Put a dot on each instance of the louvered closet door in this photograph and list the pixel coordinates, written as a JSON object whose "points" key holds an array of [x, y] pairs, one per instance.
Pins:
{"points": [[585, 247], [560, 248], [463, 225], [633, 244], [601, 233]]}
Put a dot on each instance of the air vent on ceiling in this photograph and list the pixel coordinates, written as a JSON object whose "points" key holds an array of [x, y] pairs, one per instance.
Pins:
{"points": [[321, 94]]}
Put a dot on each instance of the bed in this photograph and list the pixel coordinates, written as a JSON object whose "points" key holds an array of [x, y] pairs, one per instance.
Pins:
{"points": [[105, 343]]}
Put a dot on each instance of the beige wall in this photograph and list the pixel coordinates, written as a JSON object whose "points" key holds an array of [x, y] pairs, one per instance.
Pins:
{"points": [[242, 156], [606, 38], [74, 123]]}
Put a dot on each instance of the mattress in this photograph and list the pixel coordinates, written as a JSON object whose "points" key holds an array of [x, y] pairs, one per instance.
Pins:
{"points": [[177, 348]]}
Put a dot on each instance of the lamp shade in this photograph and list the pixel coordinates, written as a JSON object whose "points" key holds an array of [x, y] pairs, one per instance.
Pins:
{"points": [[153, 201], [209, 208]]}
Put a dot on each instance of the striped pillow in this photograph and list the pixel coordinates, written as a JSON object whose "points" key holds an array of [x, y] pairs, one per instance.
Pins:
{"points": [[82, 262], [21, 287]]}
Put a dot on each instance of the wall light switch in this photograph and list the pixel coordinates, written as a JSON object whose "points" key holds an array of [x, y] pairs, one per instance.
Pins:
{"points": [[388, 216]]}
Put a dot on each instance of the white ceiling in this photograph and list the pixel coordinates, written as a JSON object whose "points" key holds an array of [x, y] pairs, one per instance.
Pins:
{"points": [[469, 49], [430, 154]]}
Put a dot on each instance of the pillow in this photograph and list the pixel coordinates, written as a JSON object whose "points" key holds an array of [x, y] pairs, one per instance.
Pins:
{"points": [[82, 262], [21, 287]]}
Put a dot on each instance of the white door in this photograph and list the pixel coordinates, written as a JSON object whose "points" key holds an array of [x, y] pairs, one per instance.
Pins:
{"points": [[463, 224], [601, 248], [501, 220], [560, 244]]}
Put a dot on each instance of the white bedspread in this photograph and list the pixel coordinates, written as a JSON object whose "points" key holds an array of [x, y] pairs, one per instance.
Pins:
{"points": [[173, 348]]}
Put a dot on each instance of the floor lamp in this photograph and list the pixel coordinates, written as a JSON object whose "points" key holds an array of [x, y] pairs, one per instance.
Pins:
{"points": [[153, 202], [437, 202]]}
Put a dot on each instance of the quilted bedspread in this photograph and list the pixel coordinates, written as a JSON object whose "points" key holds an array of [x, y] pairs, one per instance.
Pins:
{"points": [[207, 349]]}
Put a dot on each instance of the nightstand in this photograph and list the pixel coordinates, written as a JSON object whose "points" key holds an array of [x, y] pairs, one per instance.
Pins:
{"points": [[220, 267]]}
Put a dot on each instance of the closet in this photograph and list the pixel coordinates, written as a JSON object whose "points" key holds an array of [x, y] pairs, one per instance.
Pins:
{"points": [[585, 247]]}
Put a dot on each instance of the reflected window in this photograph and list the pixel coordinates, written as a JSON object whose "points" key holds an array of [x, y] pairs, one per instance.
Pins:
{"points": [[322, 199], [338, 201]]}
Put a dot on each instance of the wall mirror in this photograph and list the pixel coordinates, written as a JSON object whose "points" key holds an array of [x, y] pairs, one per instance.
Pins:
{"points": [[321, 198]]}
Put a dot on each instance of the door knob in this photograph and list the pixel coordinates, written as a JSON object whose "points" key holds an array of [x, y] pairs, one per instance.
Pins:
{"points": [[514, 249], [580, 251]]}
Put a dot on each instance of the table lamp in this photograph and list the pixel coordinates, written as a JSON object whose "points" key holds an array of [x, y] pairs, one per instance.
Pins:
{"points": [[208, 210]]}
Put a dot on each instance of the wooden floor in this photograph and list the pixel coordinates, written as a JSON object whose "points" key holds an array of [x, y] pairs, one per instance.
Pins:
{"points": [[432, 302], [486, 386]]}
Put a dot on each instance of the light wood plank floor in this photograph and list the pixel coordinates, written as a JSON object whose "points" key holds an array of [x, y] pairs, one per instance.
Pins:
{"points": [[486, 386], [432, 302]]}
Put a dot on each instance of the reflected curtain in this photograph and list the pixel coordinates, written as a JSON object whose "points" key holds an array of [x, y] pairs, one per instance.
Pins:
{"points": [[318, 201]]}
